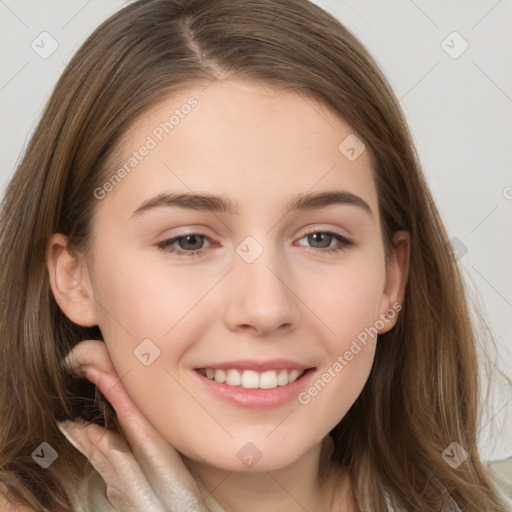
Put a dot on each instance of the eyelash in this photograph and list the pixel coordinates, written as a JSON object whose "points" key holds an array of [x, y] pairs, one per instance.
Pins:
{"points": [[167, 245]]}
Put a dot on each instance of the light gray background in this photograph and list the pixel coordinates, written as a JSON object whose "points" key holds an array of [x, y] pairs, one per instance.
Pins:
{"points": [[459, 110]]}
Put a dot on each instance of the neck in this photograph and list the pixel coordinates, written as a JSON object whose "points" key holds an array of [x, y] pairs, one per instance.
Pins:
{"points": [[309, 483]]}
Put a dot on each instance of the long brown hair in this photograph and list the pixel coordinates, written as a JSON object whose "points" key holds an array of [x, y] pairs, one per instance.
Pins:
{"points": [[422, 393]]}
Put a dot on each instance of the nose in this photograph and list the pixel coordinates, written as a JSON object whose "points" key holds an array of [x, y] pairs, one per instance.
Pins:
{"points": [[261, 297]]}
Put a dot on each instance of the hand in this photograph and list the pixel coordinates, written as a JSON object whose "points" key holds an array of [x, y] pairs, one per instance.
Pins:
{"points": [[141, 470]]}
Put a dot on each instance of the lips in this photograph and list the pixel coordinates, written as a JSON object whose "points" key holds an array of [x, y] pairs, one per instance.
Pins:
{"points": [[256, 384], [258, 366], [253, 374]]}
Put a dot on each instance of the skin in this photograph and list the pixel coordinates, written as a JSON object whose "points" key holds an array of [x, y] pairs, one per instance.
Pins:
{"points": [[259, 147]]}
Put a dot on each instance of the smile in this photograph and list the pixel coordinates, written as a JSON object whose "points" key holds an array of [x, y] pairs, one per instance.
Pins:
{"points": [[253, 389], [251, 379]]}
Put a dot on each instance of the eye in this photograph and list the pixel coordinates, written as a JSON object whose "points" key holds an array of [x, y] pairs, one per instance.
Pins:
{"points": [[325, 238], [190, 244]]}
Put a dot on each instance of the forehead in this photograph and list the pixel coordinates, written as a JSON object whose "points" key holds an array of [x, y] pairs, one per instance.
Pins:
{"points": [[252, 142]]}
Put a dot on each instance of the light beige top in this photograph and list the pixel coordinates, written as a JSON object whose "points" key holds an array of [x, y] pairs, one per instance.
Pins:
{"points": [[500, 471], [95, 489]]}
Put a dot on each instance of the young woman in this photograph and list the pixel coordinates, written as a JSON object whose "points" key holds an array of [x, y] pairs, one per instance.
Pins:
{"points": [[225, 281]]}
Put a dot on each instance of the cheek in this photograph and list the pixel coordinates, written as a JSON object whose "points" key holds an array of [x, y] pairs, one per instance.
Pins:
{"points": [[149, 318], [347, 298], [137, 301], [336, 387], [351, 350], [349, 307]]}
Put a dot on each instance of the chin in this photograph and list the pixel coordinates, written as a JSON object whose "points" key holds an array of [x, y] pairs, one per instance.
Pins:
{"points": [[247, 456]]}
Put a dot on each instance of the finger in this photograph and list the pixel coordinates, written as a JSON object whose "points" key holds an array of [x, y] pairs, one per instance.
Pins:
{"points": [[160, 461], [89, 353], [110, 455]]}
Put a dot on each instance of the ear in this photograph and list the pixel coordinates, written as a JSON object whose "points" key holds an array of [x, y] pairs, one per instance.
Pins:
{"points": [[397, 270], [70, 283]]}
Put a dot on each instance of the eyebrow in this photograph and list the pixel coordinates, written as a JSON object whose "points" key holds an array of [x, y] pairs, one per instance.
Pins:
{"points": [[220, 204]]}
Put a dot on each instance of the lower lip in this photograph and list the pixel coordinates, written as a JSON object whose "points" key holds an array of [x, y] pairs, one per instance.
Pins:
{"points": [[257, 398]]}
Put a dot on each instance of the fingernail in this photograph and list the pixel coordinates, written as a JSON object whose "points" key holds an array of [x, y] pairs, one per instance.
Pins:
{"points": [[67, 427]]}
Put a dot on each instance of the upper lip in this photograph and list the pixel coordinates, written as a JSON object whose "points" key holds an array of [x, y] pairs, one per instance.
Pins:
{"points": [[259, 366]]}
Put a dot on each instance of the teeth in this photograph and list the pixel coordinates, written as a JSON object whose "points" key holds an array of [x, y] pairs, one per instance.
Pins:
{"points": [[268, 380], [220, 376], [234, 378], [251, 379], [282, 378]]}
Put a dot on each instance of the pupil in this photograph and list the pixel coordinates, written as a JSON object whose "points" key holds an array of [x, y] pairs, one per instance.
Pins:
{"points": [[192, 238], [319, 235]]}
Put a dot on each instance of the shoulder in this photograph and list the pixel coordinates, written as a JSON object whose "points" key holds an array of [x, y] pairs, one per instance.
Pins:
{"points": [[501, 473]]}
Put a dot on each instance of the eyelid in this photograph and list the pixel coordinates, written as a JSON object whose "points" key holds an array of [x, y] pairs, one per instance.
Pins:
{"points": [[168, 242], [346, 243], [308, 231], [167, 245], [316, 229]]}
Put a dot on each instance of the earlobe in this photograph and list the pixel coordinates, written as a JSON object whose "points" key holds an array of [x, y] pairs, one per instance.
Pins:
{"points": [[70, 283], [396, 280]]}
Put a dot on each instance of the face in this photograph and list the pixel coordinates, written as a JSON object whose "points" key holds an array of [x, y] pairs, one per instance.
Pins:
{"points": [[283, 270]]}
